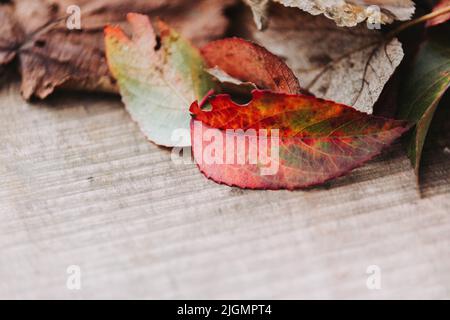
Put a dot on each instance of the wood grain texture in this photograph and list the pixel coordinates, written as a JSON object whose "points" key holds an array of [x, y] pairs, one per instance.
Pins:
{"points": [[79, 184]]}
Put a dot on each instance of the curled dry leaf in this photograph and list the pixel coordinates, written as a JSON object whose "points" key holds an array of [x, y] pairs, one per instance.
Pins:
{"points": [[158, 81], [317, 140], [349, 66], [51, 55], [345, 13], [227, 84], [224, 77], [251, 63], [424, 85]]}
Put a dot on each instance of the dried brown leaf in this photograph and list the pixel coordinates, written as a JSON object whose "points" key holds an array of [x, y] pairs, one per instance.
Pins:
{"points": [[349, 66], [346, 13], [50, 55], [10, 33]]}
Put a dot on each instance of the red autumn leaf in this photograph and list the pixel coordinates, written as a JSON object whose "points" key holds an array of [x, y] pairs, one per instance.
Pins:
{"points": [[318, 140], [249, 62], [441, 5]]}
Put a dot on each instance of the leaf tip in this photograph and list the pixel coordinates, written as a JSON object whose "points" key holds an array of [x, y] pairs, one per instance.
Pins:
{"points": [[163, 28], [137, 18], [114, 32], [194, 109]]}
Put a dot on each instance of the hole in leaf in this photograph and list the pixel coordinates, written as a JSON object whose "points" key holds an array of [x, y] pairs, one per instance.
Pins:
{"points": [[239, 93], [158, 43], [40, 43], [241, 97]]}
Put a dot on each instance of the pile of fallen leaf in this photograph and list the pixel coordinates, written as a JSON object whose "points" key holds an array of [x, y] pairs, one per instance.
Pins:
{"points": [[312, 69]]}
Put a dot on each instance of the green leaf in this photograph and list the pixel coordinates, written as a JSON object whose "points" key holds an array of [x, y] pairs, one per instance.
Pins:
{"points": [[157, 81], [424, 86]]}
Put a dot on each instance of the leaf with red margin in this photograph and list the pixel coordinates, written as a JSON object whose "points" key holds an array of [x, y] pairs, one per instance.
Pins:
{"points": [[157, 81], [318, 139], [249, 62], [441, 18]]}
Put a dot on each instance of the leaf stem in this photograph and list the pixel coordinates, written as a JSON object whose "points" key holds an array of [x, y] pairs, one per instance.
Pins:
{"points": [[419, 20]]}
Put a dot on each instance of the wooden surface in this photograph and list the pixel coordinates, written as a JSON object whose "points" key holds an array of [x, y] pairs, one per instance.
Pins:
{"points": [[80, 185]]}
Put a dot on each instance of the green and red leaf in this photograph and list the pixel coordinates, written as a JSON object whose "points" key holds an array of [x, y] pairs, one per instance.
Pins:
{"points": [[157, 80], [318, 139]]}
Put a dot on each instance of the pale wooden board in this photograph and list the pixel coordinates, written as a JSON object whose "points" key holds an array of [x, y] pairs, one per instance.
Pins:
{"points": [[79, 184]]}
